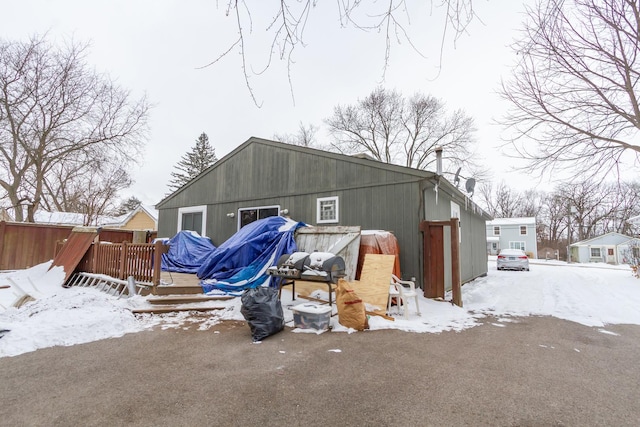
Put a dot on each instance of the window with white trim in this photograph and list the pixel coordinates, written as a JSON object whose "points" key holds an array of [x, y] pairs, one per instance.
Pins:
{"points": [[523, 230], [595, 253], [193, 218], [496, 230], [327, 210], [516, 245]]}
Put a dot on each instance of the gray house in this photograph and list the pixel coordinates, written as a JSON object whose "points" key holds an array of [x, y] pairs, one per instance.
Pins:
{"points": [[611, 248], [512, 233], [261, 178]]}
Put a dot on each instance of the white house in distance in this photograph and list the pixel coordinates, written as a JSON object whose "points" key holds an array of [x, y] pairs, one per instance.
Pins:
{"points": [[512, 233], [611, 248]]}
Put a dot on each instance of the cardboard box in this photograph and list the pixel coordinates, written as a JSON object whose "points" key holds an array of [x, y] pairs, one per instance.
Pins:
{"points": [[311, 316]]}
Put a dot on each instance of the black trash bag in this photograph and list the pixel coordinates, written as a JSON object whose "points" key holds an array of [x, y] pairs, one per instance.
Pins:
{"points": [[262, 309]]}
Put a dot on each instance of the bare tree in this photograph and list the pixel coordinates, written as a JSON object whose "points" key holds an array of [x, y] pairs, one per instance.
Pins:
{"points": [[592, 203], [627, 203], [288, 21], [394, 129], [574, 92], [305, 137], [91, 189], [553, 217], [505, 202], [54, 109]]}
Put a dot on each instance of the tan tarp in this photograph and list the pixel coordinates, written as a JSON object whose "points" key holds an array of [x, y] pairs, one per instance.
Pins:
{"points": [[351, 308]]}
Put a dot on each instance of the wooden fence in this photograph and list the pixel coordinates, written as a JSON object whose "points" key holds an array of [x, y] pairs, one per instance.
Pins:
{"points": [[23, 245]]}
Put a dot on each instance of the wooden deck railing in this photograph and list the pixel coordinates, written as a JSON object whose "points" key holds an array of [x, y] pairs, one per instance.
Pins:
{"points": [[143, 261]]}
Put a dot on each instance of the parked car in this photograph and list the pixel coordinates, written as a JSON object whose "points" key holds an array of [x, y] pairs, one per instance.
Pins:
{"points": [[512, 259]]}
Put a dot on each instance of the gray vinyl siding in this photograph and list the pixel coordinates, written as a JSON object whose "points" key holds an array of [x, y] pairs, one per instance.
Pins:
{"points": [[473, 241], [373, 195]]}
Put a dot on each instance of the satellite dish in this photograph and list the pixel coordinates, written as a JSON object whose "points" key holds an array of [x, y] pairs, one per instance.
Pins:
{"points": [[470, 185], [456, 179]]}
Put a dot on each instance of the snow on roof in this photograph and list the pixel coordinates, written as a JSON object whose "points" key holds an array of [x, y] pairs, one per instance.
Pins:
{"points": [[68, 218], [525, 220], [75, 218], [605, 239]]}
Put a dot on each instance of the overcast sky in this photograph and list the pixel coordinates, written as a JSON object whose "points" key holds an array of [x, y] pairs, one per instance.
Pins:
{"points": [[157, 48]]}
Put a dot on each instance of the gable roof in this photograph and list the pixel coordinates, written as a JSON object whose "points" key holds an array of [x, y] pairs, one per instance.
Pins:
{"points": [[123, 219], [75, 218], [362, 160], [612, 238]]}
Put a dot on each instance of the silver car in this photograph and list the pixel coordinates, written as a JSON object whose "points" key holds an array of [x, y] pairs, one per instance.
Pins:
{"points": [[512, 259]]}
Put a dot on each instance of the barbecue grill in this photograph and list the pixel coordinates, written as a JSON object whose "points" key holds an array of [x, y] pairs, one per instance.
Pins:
{"points": [[316, 267]]}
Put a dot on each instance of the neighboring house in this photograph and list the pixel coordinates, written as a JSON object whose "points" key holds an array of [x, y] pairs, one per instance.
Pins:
{"points": [[611, 248], [142, 218], [262, 178], [512, 233]]}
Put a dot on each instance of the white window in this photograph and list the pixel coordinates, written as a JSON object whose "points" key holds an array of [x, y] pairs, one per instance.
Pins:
{"points": [[595, 253], [496, 230], [327, 210], [523, 230], [516, 245], [193, 218]]}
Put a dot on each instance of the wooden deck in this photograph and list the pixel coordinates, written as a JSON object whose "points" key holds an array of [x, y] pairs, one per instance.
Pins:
{"points": [[180, 279], [178, 283]]}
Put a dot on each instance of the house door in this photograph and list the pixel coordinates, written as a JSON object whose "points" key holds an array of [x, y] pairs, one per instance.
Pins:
{"points": [[433, 249], [434, 264]]}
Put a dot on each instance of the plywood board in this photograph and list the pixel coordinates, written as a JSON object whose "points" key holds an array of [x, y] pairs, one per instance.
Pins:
{"points": [[373, 286]]}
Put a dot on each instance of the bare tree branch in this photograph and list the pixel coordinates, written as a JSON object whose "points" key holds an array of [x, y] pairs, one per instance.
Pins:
{"points": [[394, 129], [54, 110], [574, 92], [286, 29]]}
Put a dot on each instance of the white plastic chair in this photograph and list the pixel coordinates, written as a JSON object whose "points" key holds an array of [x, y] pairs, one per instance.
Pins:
{"points": [[398, 289]]}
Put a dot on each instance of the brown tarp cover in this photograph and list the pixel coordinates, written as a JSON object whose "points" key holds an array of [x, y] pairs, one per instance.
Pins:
{"points": [[378, 242]]}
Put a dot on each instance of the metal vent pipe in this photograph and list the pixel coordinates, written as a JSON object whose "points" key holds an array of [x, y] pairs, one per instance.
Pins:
{"points": [[439, 161]]}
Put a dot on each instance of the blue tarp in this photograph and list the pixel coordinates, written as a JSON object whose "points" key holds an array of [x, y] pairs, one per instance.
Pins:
{"points": [[187, 252], [241, 262]]}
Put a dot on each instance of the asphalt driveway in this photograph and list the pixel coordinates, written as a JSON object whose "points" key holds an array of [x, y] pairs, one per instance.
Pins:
{"points": [[530, 372]]}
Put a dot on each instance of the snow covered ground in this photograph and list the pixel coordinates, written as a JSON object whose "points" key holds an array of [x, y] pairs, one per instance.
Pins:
{"points": [[591, 294]]}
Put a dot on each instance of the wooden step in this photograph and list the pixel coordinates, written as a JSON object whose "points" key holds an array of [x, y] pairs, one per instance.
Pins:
{"points": [[186, 299], [178, 290], [171, 309]]}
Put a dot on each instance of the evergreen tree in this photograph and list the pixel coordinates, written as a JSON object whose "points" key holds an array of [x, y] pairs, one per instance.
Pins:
{"points": [[127, 206], [201, 156]]}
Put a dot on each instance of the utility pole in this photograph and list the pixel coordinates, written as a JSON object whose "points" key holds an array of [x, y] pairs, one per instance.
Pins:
{"points": [[572, 211]]}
